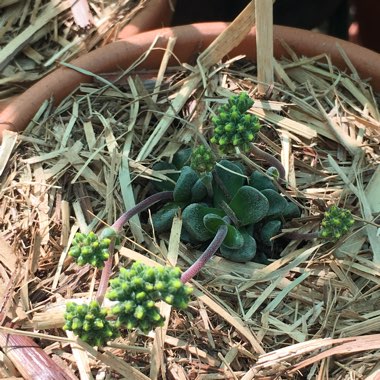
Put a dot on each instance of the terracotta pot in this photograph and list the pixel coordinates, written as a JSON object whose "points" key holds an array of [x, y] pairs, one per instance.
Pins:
{"points": [[155, 14], [191, 39]]}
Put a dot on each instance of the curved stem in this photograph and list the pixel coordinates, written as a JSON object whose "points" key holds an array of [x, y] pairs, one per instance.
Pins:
{"points": [[302, 235], [147, 202], [270, 159], [106, 274], [206, 255], [118, 226]]}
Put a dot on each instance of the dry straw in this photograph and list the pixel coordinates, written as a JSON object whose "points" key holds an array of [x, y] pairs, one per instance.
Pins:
{"points": [[313, 309]]}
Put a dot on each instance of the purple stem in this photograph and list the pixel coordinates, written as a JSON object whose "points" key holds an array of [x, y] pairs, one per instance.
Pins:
{"points": [[118, 226], [143, 205], [206, 255], [270, 159], [302, 235]]}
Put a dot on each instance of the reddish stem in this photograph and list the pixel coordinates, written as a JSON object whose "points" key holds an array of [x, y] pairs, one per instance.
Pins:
{"points": [[302, 235], [206, 255], [118, 226], [270, 159], [143, 205]]}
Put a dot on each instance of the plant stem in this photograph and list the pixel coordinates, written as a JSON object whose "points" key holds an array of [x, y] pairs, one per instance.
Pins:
{"points": [[118, 226], [206, 255], [270, 159], [106, 274], [143, 205], [302, 235]]}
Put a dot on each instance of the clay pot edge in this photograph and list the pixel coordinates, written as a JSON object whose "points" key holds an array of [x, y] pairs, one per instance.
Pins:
{"points": [[191, 39]]}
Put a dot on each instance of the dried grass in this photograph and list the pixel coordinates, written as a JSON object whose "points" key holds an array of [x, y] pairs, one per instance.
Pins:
{"points": [[313, 311], [36, 36]]}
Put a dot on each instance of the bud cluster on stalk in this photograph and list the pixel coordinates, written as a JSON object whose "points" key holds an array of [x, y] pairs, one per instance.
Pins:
{"points": [[90, 249], [202, 159], [336, 223], [89, 323], [139, 288], [234, 127]]}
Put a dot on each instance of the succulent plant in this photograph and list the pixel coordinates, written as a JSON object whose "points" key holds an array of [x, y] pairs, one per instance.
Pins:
{"points": [[234, 127], [90, 323], [336, 223], [139, 288], [242, 204]]}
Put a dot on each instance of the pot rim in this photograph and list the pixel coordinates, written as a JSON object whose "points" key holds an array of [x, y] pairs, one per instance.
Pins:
{"points": [[191, 39]]}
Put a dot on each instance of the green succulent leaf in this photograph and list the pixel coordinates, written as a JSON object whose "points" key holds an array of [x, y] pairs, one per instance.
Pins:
{"points": [[199, 191], [163, 219], [277, 203], [231, 179], [192, 217], [243, 254], [291, 211], [260, 181], [165, 185], [233, 239], [186, 180], [269, 230], [182, 158], [249, 205]]}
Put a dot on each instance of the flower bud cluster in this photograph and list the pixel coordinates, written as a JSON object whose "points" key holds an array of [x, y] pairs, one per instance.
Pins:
{"points": [[89, 249], [89, 323], [202, 159], [234, 127], [138, 289], [336, 223]]}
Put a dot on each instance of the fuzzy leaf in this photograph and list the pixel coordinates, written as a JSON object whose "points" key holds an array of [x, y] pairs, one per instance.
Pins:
{"points": [[162, 220], [198, 191], [261, 182], [182, 158], [249, 205], [233, 239], [232, 179], [192, 217], [291, 211], [277, 203], [187, 179], [270, 229], [243, 254], [165, 185]]}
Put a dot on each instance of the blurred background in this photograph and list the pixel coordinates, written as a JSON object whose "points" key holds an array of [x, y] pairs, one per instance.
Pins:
{"points": [[354, 20]]}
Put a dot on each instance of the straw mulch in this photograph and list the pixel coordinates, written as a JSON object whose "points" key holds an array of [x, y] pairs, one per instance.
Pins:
{"points": [[313, 311], [36, 35]]}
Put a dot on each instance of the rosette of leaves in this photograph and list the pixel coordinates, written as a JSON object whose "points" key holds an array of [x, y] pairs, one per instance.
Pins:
{"points": [[90, 249], [336, 223], [251, 207], [139, 288], [234, 127], [90, 323]]}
